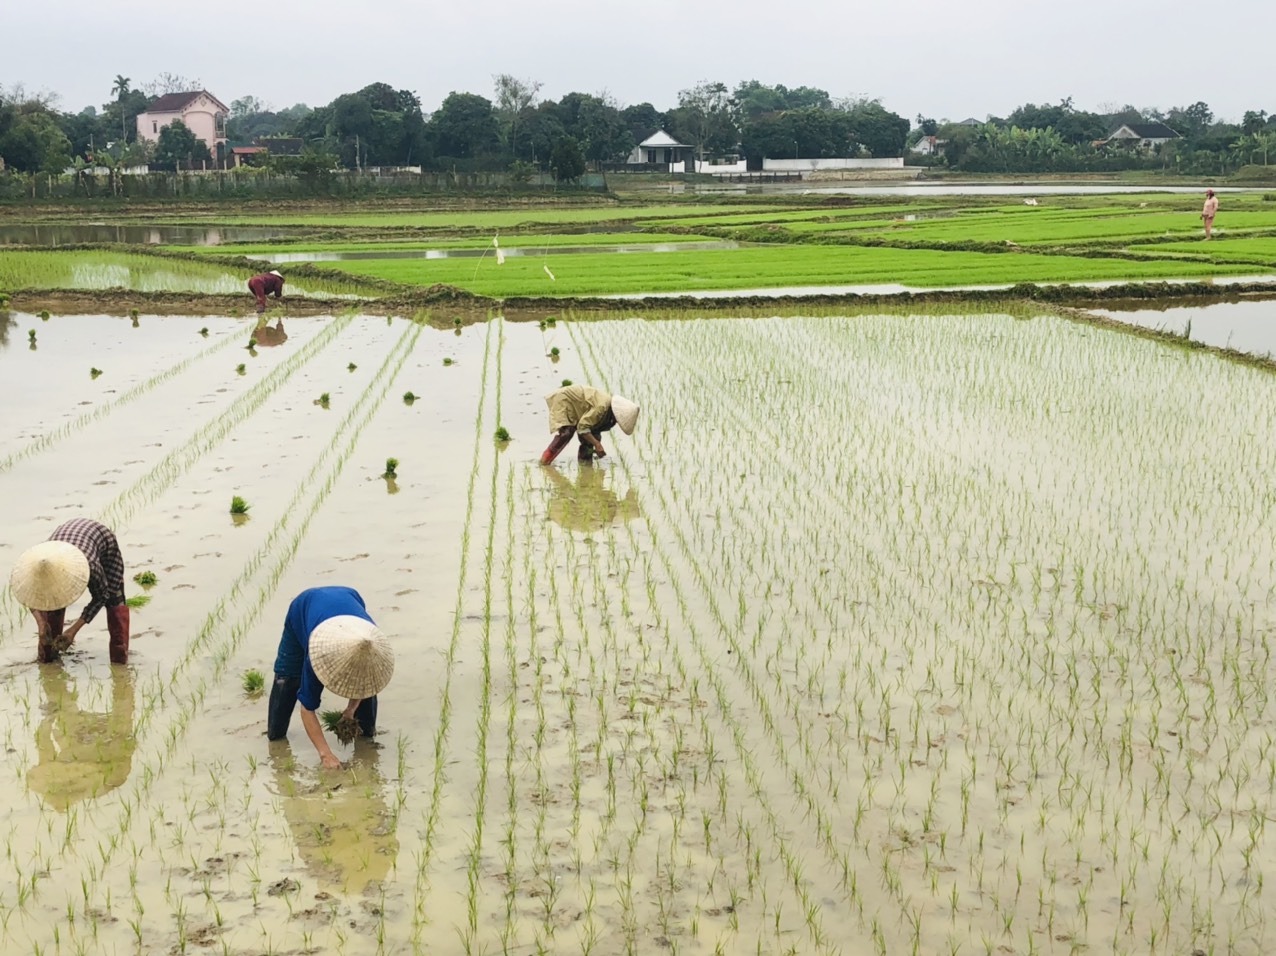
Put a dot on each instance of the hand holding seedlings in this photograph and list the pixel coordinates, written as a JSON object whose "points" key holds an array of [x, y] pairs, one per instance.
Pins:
{"points": [[330, 629]]}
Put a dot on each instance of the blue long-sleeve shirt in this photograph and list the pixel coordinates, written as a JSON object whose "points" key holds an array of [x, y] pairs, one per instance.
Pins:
{"points": [[307, 611]]}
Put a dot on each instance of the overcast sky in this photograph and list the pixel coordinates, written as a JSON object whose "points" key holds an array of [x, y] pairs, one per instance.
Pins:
{"points": [[942, 59]]}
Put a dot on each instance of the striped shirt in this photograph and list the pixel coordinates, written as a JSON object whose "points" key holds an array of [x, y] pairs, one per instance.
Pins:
{"points": [[106, 565]]}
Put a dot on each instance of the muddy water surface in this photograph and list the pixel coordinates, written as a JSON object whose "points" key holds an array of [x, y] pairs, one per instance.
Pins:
{"points": [[952, 651], [1244, 326]]}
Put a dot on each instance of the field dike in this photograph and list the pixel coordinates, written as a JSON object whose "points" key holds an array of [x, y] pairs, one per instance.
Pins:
{"points": [[170, 701]]}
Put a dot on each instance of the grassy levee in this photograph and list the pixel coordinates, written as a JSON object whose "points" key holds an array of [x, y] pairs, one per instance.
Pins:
{"points": [[775, 266]]}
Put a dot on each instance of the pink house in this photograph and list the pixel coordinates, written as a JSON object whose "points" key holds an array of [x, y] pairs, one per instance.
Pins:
{"points": [[203, 113]]}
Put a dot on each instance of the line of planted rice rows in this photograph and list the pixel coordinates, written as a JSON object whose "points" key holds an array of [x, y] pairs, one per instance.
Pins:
{"points": [[100, 411], [182, 691], [982, 670], [432, 819], [682, 564], [161, 476]]}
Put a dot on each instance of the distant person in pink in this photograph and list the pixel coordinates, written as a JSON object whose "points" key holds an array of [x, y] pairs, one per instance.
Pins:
{"points": [[268, 283], [1208, 211]]}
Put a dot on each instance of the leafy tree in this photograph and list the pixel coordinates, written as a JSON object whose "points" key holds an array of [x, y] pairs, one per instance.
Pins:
{"points": [[703, 118], [1253, 121], [514, 97], [876, 128], [377, 125], [567, 161], [178, 147], [596, 125], [167, 83], [465, 127], [30, 138], [541, 128], [1191, 120], [752, 99], [642, 120], [926, 125]]}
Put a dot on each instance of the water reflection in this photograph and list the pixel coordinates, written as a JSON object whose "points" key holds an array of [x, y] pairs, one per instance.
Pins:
{"points": [[588, 504], [37, 234], [266, 337], [1243, 326], [513, 252], [341, 823], [7, 321], [82, 753]]}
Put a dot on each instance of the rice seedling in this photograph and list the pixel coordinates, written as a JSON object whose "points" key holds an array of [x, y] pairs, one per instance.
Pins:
{"points": [[409, 398], [448, 361], [146, 579], [566, 382], [138, 601], [204, 331], [94, 372], [501, 434], [391, 468], [31, 336], [252, 344], [238, 506], [44, 314], [254, 682], [344, 728], [553, 352], [241, 368], [351, 367], [323, 400]]}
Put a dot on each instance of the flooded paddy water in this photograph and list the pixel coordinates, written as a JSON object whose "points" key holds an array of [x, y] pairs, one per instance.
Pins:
{"points": [[1248, 327], [883, 633]]}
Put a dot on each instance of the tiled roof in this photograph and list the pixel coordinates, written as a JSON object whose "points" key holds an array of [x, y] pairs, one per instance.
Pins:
{"points": [[176, 102]]}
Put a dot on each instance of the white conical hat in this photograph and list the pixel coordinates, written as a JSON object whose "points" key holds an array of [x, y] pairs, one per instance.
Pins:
{"points": [[50, 576], [351, 656], [626, 413], [276, 272]]}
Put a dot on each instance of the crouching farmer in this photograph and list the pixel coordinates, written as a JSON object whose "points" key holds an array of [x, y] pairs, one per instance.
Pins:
{"points": [[268, 283], [586, 413], [329, 640], [51, 576]]}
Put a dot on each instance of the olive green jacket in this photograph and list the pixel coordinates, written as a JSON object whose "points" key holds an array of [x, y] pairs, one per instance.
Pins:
{"points": [[577, 405]]}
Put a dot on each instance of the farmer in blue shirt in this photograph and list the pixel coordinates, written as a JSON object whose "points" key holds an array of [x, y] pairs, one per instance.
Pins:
{"points": [[329, 640]]}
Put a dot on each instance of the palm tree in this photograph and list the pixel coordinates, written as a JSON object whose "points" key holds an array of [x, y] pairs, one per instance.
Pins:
{"points": [[1264, 141], [120, 89]]}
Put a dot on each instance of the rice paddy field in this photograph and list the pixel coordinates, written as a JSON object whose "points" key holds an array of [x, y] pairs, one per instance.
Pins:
{"points": [[506, 249], [942, 631]]}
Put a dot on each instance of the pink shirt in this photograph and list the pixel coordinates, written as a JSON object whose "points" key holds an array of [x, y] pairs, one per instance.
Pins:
{"points": [[1210, 208]]}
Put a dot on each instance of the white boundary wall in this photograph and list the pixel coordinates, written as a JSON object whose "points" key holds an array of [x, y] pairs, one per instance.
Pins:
{"points": [[811, 165]]}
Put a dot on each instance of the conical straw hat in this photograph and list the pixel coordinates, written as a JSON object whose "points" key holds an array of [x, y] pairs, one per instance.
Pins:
{"points": [[626, 413], [50, 576], [351, 656]]}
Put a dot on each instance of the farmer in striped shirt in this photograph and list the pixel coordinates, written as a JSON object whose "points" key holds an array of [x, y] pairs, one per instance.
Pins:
{"points": [[50, 576]]}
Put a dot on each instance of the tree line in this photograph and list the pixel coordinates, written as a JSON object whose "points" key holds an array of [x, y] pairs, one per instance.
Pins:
{"points": [[516, 130]]}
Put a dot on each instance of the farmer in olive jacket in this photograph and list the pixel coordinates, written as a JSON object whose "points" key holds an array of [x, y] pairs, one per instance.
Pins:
{"points": [[588, 412]]}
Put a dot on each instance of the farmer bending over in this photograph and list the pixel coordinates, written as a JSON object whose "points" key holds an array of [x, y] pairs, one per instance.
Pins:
{"points": [[49, 577], [268, 283], [329, 640], [588, 413]]}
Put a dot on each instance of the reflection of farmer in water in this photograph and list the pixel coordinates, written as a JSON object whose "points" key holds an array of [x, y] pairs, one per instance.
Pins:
{"points": [[329, 640], [265, 336], [49, 577], [587, 413], [343, 829], [588, 504], [82, 753], [267, 283]]}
